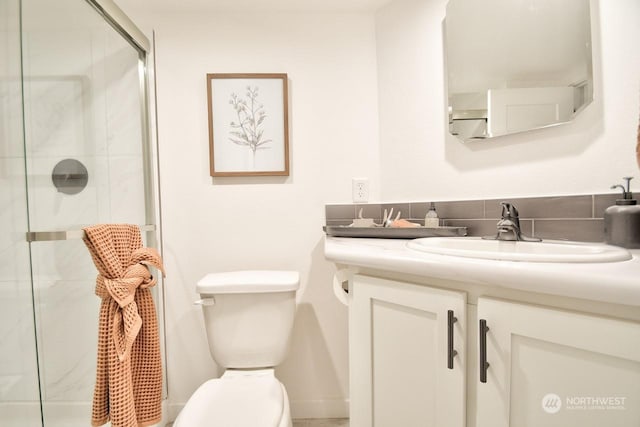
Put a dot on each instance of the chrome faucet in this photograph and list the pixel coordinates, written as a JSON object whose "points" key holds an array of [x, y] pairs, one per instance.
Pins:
{"points": [[509, 226]]}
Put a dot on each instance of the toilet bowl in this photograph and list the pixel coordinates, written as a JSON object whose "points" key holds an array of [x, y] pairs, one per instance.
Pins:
{"points": [[239, 398], [248, 318]]}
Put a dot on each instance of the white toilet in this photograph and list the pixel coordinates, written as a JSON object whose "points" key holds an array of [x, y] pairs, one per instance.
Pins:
{"points": [[248, 316]]}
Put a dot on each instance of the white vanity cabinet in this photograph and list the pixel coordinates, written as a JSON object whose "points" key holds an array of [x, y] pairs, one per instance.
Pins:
{"points": [[550, 367], [544, 366], [407, 354]]}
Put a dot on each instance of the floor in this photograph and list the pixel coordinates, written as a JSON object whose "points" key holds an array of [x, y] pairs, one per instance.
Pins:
{"points": [[315, 422], [328, 422]]}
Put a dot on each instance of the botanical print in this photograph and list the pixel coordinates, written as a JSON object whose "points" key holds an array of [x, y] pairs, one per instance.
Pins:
{"points": [[247, 131], [248, 124]]}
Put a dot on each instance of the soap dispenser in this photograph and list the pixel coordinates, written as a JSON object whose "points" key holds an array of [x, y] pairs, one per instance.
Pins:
{"points": [[622, 220], [431, 219]]}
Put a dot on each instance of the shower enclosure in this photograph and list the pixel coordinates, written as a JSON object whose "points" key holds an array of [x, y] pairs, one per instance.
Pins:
{"points": [[75, 150]]}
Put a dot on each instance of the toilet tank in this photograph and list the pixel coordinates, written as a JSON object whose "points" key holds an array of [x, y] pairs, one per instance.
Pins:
{"points": [[248, 316]]}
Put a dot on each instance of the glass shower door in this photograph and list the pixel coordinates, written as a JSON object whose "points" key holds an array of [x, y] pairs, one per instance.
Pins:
{"points": [[85, 157], [74, 151], [19, 392]]}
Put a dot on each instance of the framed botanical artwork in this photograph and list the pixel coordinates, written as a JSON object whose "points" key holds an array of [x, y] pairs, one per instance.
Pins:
{"points": [[248, 124]]}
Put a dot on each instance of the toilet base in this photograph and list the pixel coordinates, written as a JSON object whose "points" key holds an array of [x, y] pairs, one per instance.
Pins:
{"points": [[285, 421], [242, 398]]}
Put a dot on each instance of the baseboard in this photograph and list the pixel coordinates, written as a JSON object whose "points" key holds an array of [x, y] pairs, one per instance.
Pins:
{"points": [[328, 408]]}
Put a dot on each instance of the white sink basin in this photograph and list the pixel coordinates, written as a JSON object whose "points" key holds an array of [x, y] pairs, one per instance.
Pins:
{"points": [[545, 251]]}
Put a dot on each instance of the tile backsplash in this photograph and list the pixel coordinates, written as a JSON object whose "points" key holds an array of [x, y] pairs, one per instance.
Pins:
{"points": [[577, 218]]}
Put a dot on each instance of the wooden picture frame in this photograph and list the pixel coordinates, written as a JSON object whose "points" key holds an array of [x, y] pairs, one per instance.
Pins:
{"points": [[638, 143], [248, 124]]}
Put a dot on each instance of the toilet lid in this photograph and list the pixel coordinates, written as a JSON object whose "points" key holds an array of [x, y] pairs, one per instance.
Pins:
{"points": [[238, 401], [245, 282]]}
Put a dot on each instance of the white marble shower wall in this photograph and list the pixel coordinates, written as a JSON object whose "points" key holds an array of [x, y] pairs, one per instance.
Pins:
{"points": [[82, 102], [18, 368], [18, 365]]}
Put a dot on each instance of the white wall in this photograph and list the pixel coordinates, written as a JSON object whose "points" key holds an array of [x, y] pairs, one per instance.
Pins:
{"points": [[271, 223], [421, 161]]}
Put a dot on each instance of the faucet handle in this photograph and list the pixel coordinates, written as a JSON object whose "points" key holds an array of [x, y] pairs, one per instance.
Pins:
{"points": [[508, 210]]}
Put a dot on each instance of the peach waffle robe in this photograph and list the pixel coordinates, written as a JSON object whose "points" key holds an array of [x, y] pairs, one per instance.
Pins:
{"points": [[128, 389]]}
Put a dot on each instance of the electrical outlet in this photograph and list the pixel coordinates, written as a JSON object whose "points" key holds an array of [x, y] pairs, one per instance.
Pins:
{"points": [[360, 189]]}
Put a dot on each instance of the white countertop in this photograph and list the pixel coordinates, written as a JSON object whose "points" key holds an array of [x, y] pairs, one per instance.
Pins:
{"points": [[615, 282]]}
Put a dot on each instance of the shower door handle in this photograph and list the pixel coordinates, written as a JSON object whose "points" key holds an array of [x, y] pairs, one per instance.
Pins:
{"points": [[49, 236]]}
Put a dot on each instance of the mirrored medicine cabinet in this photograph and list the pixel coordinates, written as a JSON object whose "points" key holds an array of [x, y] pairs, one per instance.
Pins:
{"points": [[516, 65]]}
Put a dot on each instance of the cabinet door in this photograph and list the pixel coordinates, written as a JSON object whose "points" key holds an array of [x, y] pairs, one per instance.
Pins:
{"points": [[550, 368], [399, 360]]}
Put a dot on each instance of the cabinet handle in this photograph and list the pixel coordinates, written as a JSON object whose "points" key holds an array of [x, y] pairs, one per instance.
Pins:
{"points": [[451, 353], [484, 365]]}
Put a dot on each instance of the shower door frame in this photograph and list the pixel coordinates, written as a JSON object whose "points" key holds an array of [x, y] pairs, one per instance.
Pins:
{"points": [[113, 15]]}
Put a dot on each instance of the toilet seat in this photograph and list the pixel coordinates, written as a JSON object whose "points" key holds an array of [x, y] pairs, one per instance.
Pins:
{"points": [[252, 398]]}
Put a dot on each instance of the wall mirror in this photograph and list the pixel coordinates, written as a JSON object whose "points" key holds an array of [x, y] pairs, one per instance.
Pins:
{"points": [[516, 65]]}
